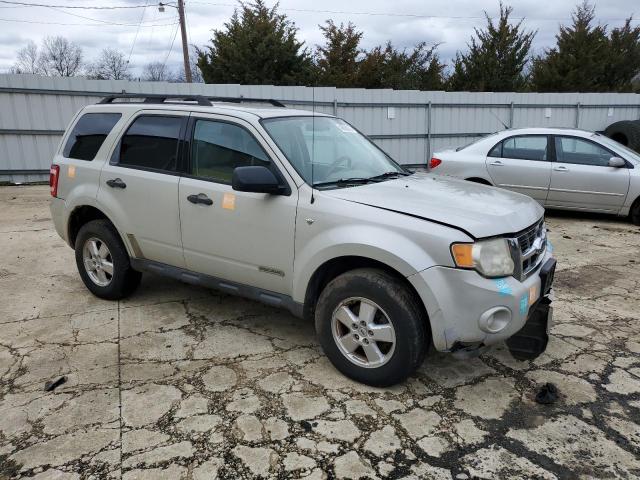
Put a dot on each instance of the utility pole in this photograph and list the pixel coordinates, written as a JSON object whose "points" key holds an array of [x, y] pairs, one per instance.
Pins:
{"points": [[185, 47], [183, 34]]}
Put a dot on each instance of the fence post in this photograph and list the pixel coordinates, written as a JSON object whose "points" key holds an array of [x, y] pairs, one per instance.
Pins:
{"points": [[335, 107], [578, 115], [428, 132], [511, 115]]}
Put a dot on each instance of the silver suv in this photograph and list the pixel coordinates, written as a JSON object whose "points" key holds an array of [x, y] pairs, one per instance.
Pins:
{"points": [[303, 212]]}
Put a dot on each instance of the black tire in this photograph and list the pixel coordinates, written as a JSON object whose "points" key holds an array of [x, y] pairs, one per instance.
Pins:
{"points": [[626, 132], [634, 214], [124, 279], [403, 311]]}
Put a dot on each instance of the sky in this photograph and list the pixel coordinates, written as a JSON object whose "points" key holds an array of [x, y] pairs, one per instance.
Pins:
{"points": [[145, 34]]}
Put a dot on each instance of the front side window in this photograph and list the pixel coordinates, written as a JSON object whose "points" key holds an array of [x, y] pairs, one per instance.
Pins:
{"points": [[525, 147], [326, 151], [151, 142], [582, 152], [219, 147], [88, 134]]}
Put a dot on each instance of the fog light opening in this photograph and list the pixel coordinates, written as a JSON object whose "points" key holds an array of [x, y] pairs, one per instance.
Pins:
{"points": [[495, 319]]}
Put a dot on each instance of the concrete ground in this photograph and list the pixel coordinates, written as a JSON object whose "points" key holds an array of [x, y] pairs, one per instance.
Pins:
{"points": [[182, 382]]}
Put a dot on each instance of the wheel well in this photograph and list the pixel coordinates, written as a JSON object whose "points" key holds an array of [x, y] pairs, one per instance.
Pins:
{"points": [[337, 266], [478, 180], [79, 217]]}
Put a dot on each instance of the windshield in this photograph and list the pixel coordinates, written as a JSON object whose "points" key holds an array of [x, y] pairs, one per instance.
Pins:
{"points": [[331, 151], [615, 145]]}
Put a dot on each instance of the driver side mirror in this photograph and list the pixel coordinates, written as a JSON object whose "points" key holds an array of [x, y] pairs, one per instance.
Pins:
{"points": [[257, 179], [617, 162]]}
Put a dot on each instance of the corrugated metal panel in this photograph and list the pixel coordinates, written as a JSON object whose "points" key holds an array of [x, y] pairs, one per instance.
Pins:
{"points": [[34, 110]]}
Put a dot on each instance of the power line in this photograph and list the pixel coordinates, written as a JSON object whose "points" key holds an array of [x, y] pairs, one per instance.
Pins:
{"points": [[137, 31], [14, 20], [107, 22], [23, 4], [395, 14]]}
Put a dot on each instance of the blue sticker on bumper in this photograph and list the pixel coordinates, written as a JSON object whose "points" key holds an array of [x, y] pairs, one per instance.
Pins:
{"points": [[503, 287], [524, 304]]}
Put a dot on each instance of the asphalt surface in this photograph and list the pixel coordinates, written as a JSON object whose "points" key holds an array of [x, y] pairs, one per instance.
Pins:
{"points": [[183, 382]]}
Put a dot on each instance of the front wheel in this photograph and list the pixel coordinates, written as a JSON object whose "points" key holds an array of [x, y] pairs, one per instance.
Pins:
{"points": [[103, 262], [371, 327]]}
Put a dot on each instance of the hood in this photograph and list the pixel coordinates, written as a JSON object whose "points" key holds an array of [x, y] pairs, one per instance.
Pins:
{"points": [[479, 210]]}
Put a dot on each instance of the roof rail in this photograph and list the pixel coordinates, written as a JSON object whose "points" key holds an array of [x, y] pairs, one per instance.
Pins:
{"points": [[199, 99], [159, 98], [275, 103]]}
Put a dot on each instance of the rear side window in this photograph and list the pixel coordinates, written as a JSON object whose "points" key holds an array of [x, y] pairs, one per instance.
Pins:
{"points": [[219, 147], [526, 147], [151, 142], [88, 134]]}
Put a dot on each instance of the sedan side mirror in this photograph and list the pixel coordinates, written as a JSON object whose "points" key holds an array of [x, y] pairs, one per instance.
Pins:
{"points": [[256, 179], [617, 162]]}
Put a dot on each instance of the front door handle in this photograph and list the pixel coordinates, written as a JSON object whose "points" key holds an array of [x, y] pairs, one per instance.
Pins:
{"points": [[561, 168], [200, 198], [497, 163], [116, 183]]}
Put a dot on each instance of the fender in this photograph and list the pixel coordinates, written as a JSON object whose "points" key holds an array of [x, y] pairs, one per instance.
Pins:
{"points": [[362, 240]]}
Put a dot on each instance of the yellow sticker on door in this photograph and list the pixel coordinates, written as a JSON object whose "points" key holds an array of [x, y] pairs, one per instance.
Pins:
{"points": [[229, 201], [71, 171]]}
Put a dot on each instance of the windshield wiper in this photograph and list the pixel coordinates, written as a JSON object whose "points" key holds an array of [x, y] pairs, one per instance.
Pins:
{"points": [[343, 182], [385, 175]]}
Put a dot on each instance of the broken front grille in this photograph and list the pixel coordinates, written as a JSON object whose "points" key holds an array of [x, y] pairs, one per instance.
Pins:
{"points": [[529, 248]]}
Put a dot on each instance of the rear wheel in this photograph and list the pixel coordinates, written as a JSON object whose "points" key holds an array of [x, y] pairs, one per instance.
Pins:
{"points": [[103, 262], [371, 327]]}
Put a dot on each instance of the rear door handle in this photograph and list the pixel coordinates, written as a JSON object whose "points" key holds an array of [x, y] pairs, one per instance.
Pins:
{"points": [[116, 183], [497, 163], [561, 169], [200, 198]]}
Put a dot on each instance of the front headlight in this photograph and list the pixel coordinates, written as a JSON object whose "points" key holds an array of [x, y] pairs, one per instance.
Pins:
{"points": [[491, 258]]}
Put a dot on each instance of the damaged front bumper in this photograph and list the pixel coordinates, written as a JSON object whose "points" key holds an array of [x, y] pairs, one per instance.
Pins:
{"points": [[468, 312]]}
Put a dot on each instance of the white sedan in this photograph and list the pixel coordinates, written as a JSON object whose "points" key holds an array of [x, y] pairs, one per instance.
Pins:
{"points": [[560, 168]]}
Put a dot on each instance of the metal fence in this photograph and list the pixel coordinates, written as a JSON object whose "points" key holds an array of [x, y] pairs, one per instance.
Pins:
{"points": [[409, 125]]}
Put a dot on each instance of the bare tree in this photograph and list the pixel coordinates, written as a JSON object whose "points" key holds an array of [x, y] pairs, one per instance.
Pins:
{"points": [[156, 72], [60, 57], [196, 74], [29, 60], [111, 65]]}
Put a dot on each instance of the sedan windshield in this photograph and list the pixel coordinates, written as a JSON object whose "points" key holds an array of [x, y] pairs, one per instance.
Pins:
{"points": [[329, 153]]}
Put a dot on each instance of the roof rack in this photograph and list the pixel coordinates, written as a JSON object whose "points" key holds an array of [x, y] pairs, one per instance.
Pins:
{"points": [[159, 98], [199, 99], [275, 103]]}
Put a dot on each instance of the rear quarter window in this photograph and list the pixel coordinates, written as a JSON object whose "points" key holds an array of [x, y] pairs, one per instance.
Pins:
{"points": [[88, 134]]}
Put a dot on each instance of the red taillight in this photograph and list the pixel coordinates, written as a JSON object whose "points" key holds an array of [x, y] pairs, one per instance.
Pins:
{"points": [[54, 174], [434, 162]]}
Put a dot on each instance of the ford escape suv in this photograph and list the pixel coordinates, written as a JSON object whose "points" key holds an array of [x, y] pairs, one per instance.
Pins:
{"points": [[302, 211]]}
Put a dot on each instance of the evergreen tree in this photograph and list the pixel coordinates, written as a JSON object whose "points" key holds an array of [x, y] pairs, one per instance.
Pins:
{"points": [[337, 60], [387, 67], [578, 63], [623, 60], [257, 46], [496, 59]]}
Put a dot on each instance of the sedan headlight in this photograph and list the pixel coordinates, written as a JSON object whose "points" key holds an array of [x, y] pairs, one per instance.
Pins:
{"points": [[491, 258]]}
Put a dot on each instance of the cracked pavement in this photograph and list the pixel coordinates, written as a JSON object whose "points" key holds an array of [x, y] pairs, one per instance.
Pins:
{"points": [[180, 382]]}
